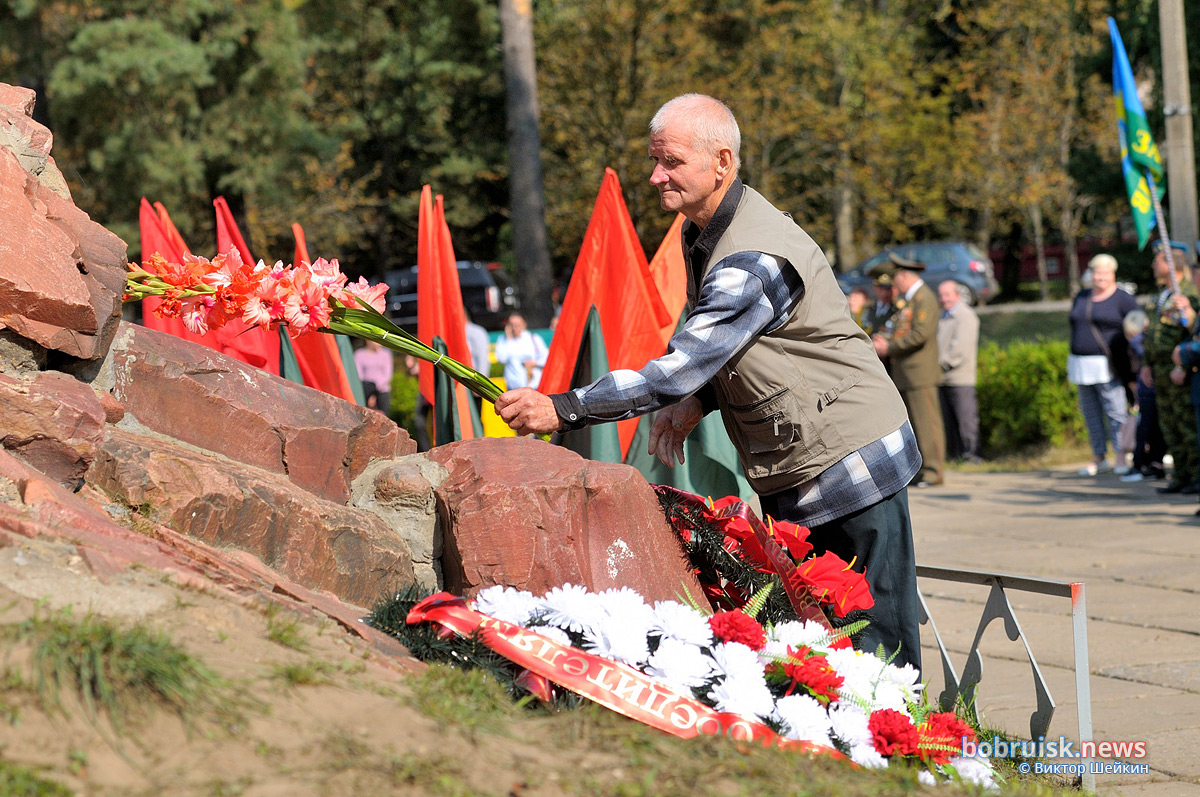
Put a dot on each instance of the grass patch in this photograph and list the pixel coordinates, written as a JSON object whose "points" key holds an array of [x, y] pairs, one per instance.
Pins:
{"points": [[283, 628], [110, 670], [1003, 328], [16, 779], [469, 699]]}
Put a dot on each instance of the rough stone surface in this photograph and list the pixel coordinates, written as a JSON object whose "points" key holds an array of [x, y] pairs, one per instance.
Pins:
{"points": [[29, 141], [61, 274], [204, 398], [523, 513], [19, 355], [319, 544], [53, 422], [401, 493]]}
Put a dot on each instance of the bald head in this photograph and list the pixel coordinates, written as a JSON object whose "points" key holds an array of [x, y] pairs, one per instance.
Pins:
{"points": [[711, 123]]}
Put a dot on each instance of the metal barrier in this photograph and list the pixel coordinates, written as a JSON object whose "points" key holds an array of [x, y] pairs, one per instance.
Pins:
{"points": [[998, 607]]}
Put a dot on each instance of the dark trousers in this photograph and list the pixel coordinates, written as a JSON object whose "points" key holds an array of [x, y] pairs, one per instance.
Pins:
{"points": [[1150, 447], [960, 411], [878, 539]]}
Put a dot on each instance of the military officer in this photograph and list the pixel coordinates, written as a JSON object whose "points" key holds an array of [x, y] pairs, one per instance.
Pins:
{"points": [[909, 341], [1173, 312]]}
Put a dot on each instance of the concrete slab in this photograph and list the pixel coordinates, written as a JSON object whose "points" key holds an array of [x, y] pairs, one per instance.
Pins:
{"points": [[1137, 553]]}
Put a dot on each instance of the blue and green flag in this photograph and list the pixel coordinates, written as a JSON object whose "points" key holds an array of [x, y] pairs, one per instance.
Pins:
{"points": [[1139, 153]]}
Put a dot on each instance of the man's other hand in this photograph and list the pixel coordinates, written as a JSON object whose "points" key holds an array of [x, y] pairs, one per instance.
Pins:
{"points": [[672, 425], [527, 411]]}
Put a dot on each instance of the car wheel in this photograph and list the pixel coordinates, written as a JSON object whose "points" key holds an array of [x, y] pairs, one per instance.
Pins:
{"points": [[967, 294]]}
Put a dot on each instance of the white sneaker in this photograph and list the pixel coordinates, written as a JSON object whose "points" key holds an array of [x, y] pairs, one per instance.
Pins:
{"points": [[1121, 470], [1136, 476], [1089, 470]]}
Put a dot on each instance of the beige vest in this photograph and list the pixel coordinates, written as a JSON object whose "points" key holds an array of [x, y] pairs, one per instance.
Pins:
{"points": [[805, 396]]}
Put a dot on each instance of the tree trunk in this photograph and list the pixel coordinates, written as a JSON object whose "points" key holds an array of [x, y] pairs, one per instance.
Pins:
{"points": [[530, 244], [1039, 242]]}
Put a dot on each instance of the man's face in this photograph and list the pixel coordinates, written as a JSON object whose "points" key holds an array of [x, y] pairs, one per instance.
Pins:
{"points": [[1162, 270], [883, 293], [947, 295], [685, 177], [903, 280]]}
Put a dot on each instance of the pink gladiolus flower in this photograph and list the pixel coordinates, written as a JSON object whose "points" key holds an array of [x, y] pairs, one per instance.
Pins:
{"points": [[327, 273], [371, 294], [306, 305], [195, 314]]}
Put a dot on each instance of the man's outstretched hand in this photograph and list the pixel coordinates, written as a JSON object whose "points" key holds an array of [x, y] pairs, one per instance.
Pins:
{"points": [[672, 425], [527, 411]]}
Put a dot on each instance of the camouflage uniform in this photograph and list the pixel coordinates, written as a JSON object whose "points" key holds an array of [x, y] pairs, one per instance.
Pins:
{"points": [[1175, 414]]}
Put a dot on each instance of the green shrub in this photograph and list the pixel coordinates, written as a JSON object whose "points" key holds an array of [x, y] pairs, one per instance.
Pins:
{"points": [[1024, 397], [404, 399]]}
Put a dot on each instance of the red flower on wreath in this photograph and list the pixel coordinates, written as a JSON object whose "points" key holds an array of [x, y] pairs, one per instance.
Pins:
{"points": [[737, 626], [942, 736], [810, 671], [830, 580], [893, 733], [792, 537]]}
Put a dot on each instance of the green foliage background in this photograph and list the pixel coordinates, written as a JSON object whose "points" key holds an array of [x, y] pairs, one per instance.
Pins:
{"points": [[1025, 399], [871, 122]]}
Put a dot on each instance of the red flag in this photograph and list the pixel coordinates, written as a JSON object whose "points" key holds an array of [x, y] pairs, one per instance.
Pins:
{"points": [[169, 228], [257, 346], [669, 271], [157, 239], [612, 274], [317, 355], [439, 298]]}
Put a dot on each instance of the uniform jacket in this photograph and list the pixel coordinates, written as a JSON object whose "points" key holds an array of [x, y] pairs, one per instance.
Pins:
{"points": [[806, 395], [913, 349]]}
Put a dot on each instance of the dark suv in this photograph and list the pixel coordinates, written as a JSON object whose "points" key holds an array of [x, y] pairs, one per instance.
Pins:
{"points": [[487, 293], [963, 262]]}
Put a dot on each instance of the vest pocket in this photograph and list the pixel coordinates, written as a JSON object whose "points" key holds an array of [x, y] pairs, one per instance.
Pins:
{"points": [[776, 434]]}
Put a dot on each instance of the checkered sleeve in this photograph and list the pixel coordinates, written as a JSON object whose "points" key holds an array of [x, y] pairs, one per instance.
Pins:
{"points": [[743, 296]]}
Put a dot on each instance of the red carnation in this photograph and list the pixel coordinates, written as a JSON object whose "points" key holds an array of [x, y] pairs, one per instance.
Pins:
{"points": [[893, 733], [942, 737], [737, 626], [814, 674]]}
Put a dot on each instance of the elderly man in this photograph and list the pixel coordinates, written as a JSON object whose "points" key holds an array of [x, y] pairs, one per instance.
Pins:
{"points": [[769, 341], [958, 348], [910, 344]]}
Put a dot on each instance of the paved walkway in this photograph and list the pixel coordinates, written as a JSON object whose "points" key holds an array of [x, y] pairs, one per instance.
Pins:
{"points": [[1137, 553]]}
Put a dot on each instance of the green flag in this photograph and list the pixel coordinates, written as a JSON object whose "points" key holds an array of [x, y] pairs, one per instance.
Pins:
{"points": [[1140, 160], [447, 421], [598, 442]]}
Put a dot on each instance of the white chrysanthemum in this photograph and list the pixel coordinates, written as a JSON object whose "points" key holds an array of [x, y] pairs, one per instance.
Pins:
{"points": [[975, 770], [572, 608], [907, 679], [613, 639], [926, 777], [799, 632], [865, 755], [681, 622], [850, 724], [510, 605], [680, 665], [735, 660], [553, 634], [804, 719], [861, 673], [748, 697], [628, 609]]}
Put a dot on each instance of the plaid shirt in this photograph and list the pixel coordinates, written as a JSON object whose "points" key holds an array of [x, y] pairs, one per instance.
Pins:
{"points": [[744, 296]]}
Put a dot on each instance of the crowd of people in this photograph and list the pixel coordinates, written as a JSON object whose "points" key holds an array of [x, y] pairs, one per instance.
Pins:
{"points": [[928, 343], [1135, 371]]}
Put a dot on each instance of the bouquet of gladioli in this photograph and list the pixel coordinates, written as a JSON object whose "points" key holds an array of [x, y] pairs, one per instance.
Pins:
{"points": [[206, 294]]}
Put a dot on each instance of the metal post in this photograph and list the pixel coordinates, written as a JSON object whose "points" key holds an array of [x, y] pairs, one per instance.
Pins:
{"points": [[1083, 681], [1179, 154]]}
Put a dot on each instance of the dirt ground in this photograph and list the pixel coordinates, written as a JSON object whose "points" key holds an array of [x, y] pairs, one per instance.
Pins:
{"points": [[306, 708]]}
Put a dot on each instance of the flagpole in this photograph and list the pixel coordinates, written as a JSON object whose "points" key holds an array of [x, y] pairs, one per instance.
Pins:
{"points": [[1164, 239]]}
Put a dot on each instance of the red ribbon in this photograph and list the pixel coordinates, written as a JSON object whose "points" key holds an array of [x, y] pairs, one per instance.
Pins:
{"points": [[607, 682]]}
